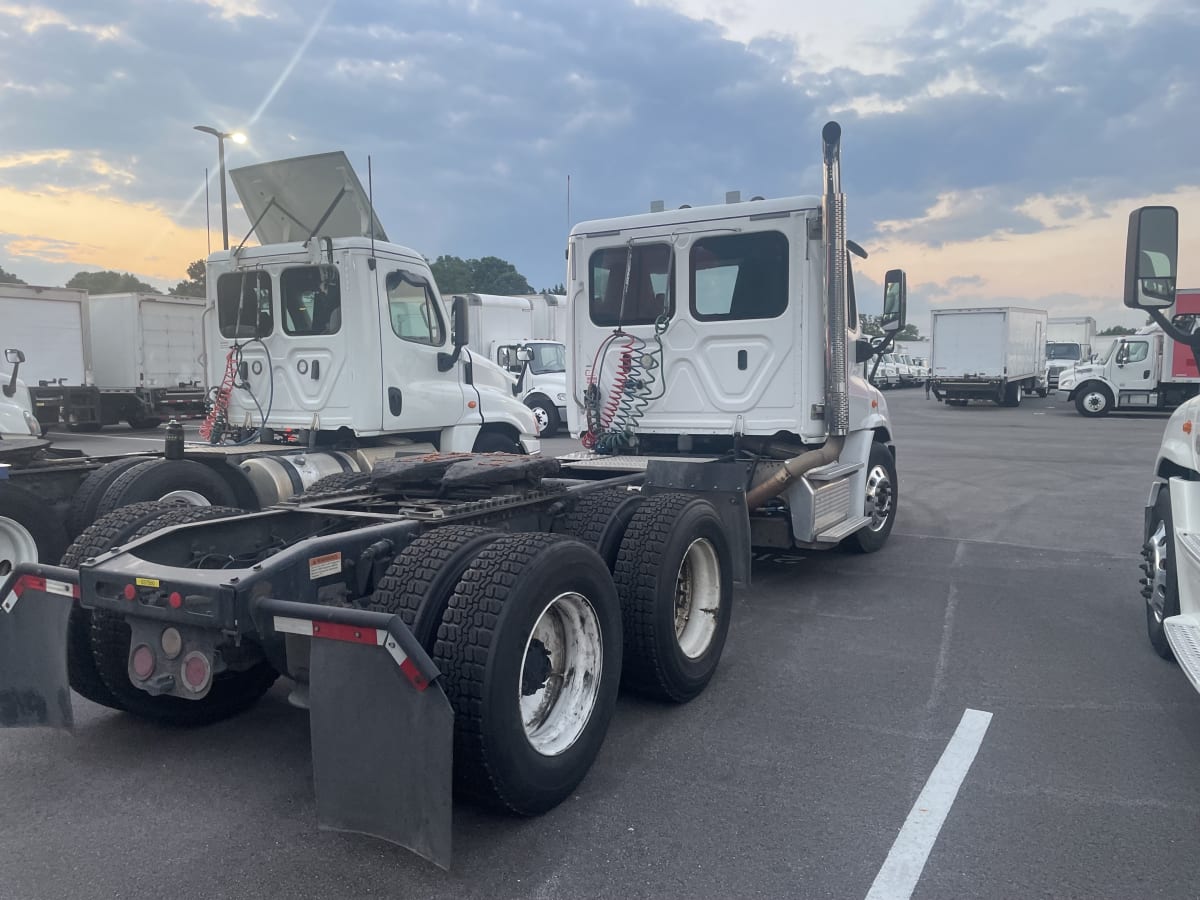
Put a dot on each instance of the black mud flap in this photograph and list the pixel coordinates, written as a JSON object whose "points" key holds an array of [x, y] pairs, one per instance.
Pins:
{"points": [[35, 604], [382, 728]]}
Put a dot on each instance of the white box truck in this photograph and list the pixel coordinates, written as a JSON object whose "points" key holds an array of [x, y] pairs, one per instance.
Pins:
{"points": [[1069, 341], [524, 335], [95, 361], [995, 353]]}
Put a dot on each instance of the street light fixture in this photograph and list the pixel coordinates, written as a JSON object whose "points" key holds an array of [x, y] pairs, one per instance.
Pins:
{"points": [[238, 138]]}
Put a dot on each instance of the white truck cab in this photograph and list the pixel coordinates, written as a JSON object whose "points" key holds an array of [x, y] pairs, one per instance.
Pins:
{"points": [[16, 406], [329, 329], [540, 370], [1171, 548]]}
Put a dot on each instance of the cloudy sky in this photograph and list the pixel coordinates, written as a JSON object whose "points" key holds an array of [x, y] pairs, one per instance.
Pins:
{"points": [[993, 149]]}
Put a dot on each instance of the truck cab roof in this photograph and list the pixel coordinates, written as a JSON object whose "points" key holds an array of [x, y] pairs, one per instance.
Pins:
{"points": [[689, 214]]}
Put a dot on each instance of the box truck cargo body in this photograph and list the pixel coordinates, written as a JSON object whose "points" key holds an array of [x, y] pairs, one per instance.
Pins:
{"points": [[988, 353]]}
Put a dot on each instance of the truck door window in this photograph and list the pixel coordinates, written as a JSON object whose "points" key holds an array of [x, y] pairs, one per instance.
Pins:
{"points": [[311, 298], [1133, 351], [244, 305], [739, 276], [412, 309], [649, 295]]}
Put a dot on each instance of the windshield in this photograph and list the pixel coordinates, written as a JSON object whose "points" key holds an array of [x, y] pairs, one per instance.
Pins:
{"points": [[1062, 351], [1109, 352], [548, 358]]}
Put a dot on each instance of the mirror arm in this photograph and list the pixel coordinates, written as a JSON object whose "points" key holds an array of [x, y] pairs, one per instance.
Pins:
{"points": [[1190, 340], [10, 389], [879, 351]]}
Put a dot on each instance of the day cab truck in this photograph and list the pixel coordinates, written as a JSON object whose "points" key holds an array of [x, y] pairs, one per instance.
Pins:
{"points": [[1170, 580], [1149, 370], [101, 359], [462, 619], [329, 347], [993, 353], [1069, 342]]}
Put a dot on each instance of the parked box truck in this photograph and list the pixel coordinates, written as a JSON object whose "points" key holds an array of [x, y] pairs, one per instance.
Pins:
{"points": [[1069, 341], [993, 353], [100, 360]]}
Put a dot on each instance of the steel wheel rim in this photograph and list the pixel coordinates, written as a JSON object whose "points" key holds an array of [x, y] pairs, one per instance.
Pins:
{"points": [[1156, 557], [16, 545], [879, 497], [560, 674], [1095, 401], [541, 417], [186, 498], [697, 598]]}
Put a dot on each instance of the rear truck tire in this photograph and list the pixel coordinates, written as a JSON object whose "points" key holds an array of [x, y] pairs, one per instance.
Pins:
{"points": [[86, 502], [530, 654], [496, 442], [420, 581], [674, 576], [600, 519], [232, 692], [139, 423], [881, 501], [1093, 399], [183, 480], [1042, 393], [1160, 586], [1012, 394], [338, 482], [545, 414], [29, 530], [100, 537]]}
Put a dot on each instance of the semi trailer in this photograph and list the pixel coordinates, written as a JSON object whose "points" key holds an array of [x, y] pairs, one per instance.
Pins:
{"points": [[473, 614]]}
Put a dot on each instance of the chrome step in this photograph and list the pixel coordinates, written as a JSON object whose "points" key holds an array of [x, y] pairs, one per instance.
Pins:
{"points": [[833, 471], [1183, 633], [842, 529]]}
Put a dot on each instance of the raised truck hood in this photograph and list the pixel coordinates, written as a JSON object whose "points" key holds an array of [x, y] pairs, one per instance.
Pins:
{"points": [[287, 199]]}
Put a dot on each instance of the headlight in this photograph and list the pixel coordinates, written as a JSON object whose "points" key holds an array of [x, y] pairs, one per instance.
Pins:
{"points": [[35, 427], [562, 398]]}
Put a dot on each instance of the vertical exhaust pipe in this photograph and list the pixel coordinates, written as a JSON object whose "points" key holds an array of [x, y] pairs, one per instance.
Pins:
{"points": [[833, 218], [837, 398]]}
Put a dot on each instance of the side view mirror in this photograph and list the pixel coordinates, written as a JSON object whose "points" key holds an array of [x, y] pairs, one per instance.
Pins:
{"points": [[1151, 252], [525, 354], [863, 350], [458, 319], [895, 301], [14, 359]]}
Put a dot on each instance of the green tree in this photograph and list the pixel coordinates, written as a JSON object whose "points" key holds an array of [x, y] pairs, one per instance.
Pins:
{"points": [[559, 288], [10, 278], [909, 333], [195, 284], [488, 275], [1118, 330], [109, 282]]}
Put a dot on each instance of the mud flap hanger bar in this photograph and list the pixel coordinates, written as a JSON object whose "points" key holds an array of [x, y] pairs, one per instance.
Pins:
{"points": [[35, 606], [382, 729]]}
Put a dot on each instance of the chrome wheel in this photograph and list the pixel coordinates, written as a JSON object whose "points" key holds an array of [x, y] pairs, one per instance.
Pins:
{"points": [[879, 497], [560, 674], [186, 498], [1095, 401], [16, 545], [1155, 590], [697, 598], [541, 417]]}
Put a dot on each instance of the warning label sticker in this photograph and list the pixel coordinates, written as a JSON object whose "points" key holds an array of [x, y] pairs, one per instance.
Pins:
{"points": [[320, 566], [146, 582]]}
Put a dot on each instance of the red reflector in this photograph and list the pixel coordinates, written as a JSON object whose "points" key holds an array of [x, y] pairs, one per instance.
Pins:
{"points": [[345, 633], [29, 583], [176, 599], [413, 674], [143, 662], [130, 592]]}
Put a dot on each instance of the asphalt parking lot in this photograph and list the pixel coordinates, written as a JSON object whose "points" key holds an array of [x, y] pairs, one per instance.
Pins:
{"points": [[1009, 587]]}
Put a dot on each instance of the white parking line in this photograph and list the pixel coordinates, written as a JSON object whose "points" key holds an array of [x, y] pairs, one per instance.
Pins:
{"points": [[906, 860]]}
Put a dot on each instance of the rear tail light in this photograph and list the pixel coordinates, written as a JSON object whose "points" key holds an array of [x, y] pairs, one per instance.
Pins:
{"points": [[196, 671], [143, 661]]}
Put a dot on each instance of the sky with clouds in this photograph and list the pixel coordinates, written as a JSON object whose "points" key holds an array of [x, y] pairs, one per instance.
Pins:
{"points": [[993, 149]]}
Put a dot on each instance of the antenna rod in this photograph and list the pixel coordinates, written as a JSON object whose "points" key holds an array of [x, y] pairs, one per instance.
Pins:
{"points": [[568, 203], [371, 203], [207, 213]]}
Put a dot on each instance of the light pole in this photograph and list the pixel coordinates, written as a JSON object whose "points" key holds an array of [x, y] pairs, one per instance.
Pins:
{"points": [[238, 138]]}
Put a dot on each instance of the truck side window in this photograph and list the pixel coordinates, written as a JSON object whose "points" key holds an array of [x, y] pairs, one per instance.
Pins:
{"points": [[649, 295], [244, 305], [740, 276], [1136, 351], [412, 309], [311, 299]]}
